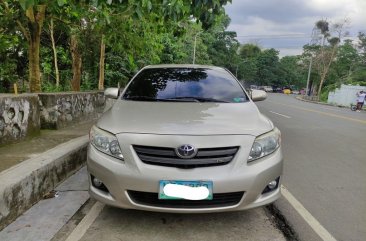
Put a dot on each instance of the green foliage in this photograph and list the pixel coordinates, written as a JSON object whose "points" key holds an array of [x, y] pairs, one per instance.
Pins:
{"points": [[87, 84], [222, 45], [293, 72], [116, 71], [135, 33], [268, 64], [139, 33], [50, 87], [7, 77], [362, 46], [249, 51], [347, 59], [328, 88], [358, 76]]}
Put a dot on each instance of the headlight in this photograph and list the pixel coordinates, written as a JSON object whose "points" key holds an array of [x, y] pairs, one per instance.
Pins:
{"points": [[105, 142], [265, 145]]}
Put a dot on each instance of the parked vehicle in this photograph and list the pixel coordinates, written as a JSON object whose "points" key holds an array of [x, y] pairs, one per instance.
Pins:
{"points": [[278, 90], [268, 89], [187, 139], [286, 90]]}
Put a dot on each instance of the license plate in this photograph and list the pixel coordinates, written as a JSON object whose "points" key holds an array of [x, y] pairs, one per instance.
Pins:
{"points": [[190, 190]]}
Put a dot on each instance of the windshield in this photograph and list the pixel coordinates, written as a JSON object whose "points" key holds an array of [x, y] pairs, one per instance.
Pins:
{"points": [[185, 84]]}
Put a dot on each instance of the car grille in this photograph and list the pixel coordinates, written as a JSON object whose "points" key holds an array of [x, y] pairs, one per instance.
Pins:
{"points": [[205, 157], [219, 200]]}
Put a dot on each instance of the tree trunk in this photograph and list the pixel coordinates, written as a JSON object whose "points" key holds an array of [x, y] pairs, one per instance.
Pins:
{"points": [[76, 63], [54, 54], [101, 64], [326, 70], [35, 22]]}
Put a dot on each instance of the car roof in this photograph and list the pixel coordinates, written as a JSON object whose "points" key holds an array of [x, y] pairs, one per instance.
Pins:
{"points": [[191, 66]]}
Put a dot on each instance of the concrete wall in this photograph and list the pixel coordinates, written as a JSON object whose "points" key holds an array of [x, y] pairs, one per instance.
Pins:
{"points": [[62, 109], [19, 117], [24, 115], [345, 96], [311, 98]]}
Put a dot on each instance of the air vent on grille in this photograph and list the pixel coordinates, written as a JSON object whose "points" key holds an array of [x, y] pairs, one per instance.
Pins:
{"points": [[219, 200], [163, 156]]}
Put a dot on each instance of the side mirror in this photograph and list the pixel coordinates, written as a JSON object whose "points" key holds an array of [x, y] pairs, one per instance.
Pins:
{"points": [[258, 95], [111, 93]]}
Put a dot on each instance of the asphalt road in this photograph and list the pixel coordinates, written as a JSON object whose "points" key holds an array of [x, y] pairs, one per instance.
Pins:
{"points": [[325, 164], [114, 224]]}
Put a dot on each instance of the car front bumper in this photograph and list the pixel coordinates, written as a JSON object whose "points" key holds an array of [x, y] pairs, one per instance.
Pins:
{"points": [[132, 174]]}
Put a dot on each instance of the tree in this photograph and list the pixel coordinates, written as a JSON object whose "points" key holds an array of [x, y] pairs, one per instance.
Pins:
{"points": [[327, 53], [11, 60], [292, 72], [30, 15], [362, 46], [175, 10], [268, 67], [248, 68], [249, 51], [346, 60], [29, 18], [222, 45], [57, 73]]}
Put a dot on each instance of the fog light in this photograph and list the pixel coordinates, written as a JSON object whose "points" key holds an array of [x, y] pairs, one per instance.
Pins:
{"points": [[272, 185], [97, 182]]}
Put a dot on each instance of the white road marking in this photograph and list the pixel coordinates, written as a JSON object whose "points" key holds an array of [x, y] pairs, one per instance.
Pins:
{"points": [[314, 224], [288, 117], [86, 222]]}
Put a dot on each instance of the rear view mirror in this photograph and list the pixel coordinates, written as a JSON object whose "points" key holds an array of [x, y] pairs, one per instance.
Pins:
{"points": [[111, 93], [258, 95]]}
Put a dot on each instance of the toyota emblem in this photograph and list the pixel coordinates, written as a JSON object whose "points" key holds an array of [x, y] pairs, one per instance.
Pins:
{"points": [[186, 151]]}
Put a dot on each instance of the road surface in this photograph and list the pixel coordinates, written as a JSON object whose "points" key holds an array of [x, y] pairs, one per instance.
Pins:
{"points": [[325, 164]]}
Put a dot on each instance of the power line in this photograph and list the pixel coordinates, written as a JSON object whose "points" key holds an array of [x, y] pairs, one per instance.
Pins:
{"points": [[274, 36], [313, 36]]}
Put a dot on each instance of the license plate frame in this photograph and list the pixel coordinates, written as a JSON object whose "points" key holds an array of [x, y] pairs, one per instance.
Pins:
{"points": [[162, 183]]}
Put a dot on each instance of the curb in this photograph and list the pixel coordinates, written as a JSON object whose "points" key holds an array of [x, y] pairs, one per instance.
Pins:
{"points": [[317, 102], [26, 183], [327, 104]]}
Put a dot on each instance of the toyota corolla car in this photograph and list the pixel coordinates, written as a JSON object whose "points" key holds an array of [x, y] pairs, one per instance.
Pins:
{"points": [[184, 139]]}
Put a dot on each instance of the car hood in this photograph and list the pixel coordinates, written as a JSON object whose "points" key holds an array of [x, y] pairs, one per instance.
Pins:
{"points": [[184, 118]]}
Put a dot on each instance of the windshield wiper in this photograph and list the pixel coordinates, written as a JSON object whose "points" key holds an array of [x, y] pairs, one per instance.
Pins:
{"points": [[141, 98], [195, 99], [175, 99]]}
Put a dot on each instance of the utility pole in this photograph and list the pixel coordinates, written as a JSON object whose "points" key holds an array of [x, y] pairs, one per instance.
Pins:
{"points": [[194, 46], [309, 72]]}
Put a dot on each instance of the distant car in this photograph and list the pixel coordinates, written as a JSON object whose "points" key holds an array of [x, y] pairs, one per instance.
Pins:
{"points": [[295, 92], [268, 89], [278, 90], [184, 139], [286, 90]]}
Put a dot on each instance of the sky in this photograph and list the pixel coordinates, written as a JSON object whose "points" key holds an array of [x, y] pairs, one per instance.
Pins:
{"points": [[287, 25]]}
